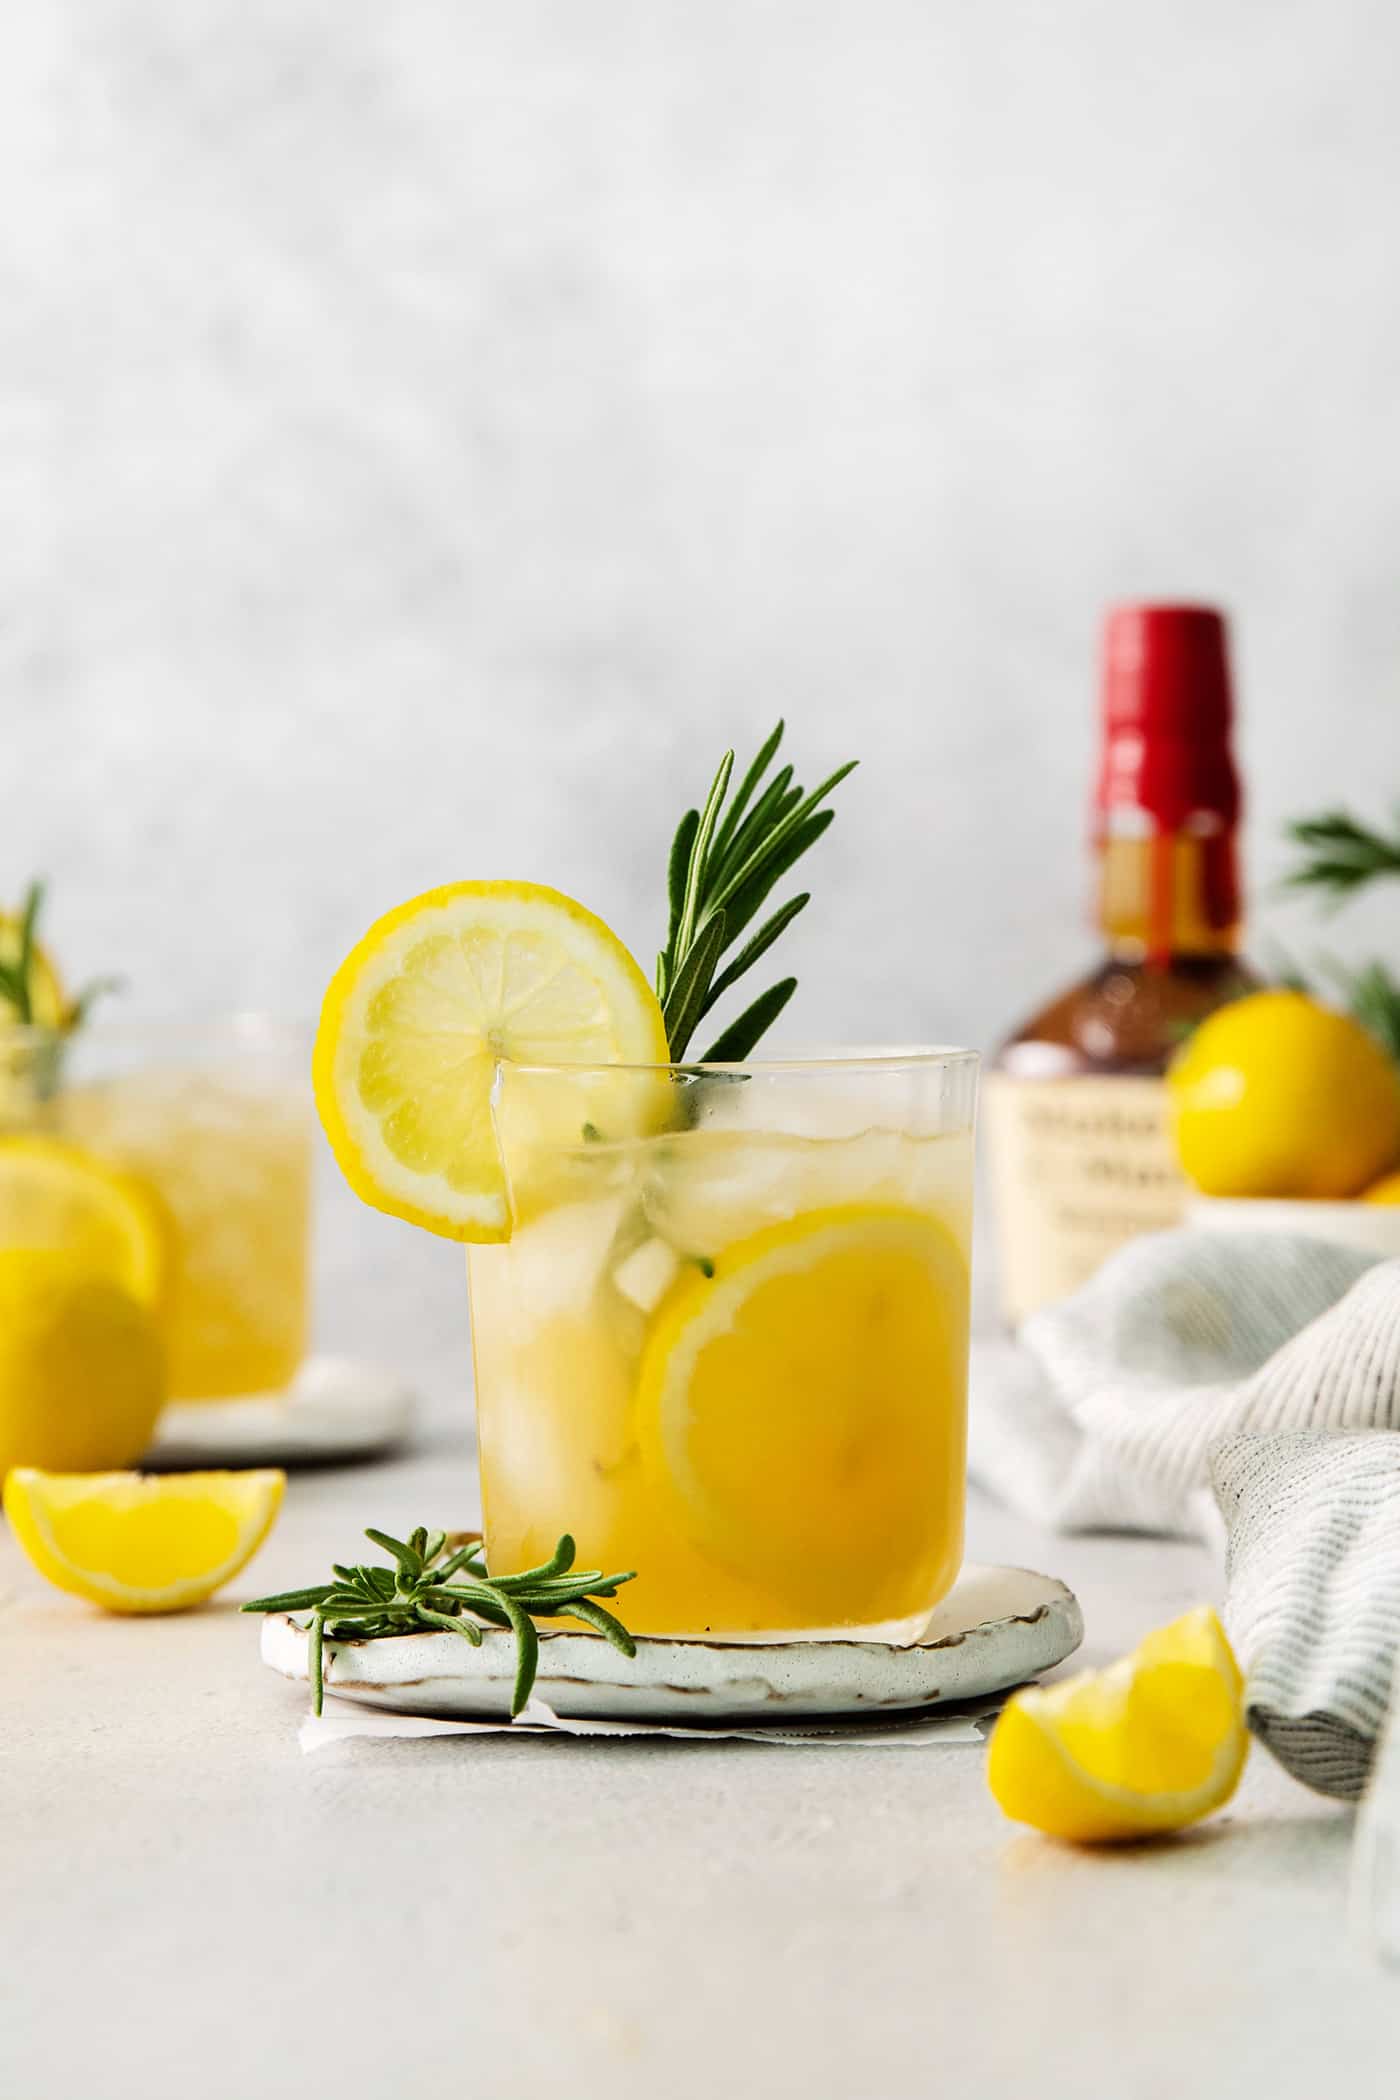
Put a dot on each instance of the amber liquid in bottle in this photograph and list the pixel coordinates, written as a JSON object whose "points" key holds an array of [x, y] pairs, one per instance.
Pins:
{"points": [[1169, 962], [1076, 1110]]}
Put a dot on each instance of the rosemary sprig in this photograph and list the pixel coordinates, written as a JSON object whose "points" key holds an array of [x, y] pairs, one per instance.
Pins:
{"points": [[1373, 998], [1340, 854], [436, 1586], [724, 863], [19, 976]]}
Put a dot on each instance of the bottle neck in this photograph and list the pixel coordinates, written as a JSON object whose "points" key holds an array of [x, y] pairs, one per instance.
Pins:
{"points": [[1166, 894]]}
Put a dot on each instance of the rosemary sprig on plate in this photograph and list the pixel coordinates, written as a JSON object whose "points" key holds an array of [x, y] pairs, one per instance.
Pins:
{"points": [[725, 860], [435, 1585]]}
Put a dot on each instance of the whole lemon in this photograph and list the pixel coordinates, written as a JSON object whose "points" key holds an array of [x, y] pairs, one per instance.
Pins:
{"points": [[1275, 1095], [82, 1366]]}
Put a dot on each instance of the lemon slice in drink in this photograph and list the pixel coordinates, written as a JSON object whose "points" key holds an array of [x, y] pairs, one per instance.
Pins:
{"points": [[417, 1016], [806, 1403], [1153, 1743], [135, 1542], [54, 1196]]}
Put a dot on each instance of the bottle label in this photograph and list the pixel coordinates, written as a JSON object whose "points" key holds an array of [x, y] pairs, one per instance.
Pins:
{"points": [[1079, 1166]]}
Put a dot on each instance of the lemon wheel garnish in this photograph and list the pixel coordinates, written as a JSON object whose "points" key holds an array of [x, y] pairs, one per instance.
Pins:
{"points": [[1153, 1743], [55, 1196], [816, 1381], [417, 1017], [135, 1542]]}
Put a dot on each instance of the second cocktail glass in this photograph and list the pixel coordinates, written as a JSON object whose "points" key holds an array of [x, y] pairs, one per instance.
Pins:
{"points": [[213, 1119]]}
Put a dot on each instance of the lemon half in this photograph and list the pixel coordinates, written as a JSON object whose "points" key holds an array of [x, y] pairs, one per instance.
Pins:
{"points": [[417, 1017], [134, 1542], [1275, 1095], [82, 1365], [1153, 1743]]}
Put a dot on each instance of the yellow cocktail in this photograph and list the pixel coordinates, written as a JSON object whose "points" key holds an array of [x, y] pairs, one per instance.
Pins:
{"points": [[732, 1353], [213, 1121]]}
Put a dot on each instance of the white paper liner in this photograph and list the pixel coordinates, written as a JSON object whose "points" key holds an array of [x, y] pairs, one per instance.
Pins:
{"points": [[342, 1721]]}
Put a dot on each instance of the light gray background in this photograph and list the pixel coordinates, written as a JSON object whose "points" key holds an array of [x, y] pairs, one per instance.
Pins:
{"points": [[432, 430]]}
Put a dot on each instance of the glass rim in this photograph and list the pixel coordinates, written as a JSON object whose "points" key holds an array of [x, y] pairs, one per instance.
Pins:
{"points": [[915, 1057]]}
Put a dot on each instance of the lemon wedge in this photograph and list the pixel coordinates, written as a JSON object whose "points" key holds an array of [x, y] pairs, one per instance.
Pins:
{"points": [[805, 1402], [417, 1017], [135, 1542], [1151, 1744], [53, 1195]]}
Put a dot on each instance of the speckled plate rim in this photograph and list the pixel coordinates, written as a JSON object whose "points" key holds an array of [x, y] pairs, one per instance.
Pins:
{"points": [[334, 1409], [997, 1627]]}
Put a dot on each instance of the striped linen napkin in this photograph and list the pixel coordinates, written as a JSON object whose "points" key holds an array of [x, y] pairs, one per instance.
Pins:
{"points": [[1215, 1384]]}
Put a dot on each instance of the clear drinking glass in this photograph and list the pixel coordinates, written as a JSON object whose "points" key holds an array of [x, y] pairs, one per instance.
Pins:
{"points": [[215, 1120], [726, 1341]]}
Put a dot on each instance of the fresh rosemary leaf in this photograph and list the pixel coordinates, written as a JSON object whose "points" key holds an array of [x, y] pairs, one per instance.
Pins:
{"points": [[527, 1651], [741, 1037], [695, 878], [417, 1594], [401, 1550], [468, 1628], [677, 875], [754, 949], [590, 1614], [746, 788], [97, 988], [772, 806], [1341, 854], [764, 852], [34, 898], [724, 865], [688, 993], [746, 903], [292, 1600]]}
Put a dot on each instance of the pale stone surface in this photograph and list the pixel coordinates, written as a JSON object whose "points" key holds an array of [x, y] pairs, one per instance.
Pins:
{"points": [[193, 1908]]}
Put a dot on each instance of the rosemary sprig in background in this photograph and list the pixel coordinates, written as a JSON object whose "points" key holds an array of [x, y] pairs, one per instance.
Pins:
{"points": [[24, 970], [435, 1586], [726, 859], [1339, 857], [17, 976]]}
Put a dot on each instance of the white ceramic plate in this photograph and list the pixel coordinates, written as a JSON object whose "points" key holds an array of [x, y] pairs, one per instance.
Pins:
{"points": [[333, 1409], [997, 1627]]}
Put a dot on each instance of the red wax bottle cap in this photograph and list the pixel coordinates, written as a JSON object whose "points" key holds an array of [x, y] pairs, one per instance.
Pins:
{"points": [[1167, 714]]}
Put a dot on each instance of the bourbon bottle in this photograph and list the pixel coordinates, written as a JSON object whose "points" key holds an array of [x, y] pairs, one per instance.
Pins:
{"points": [[1075, 1104]]}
